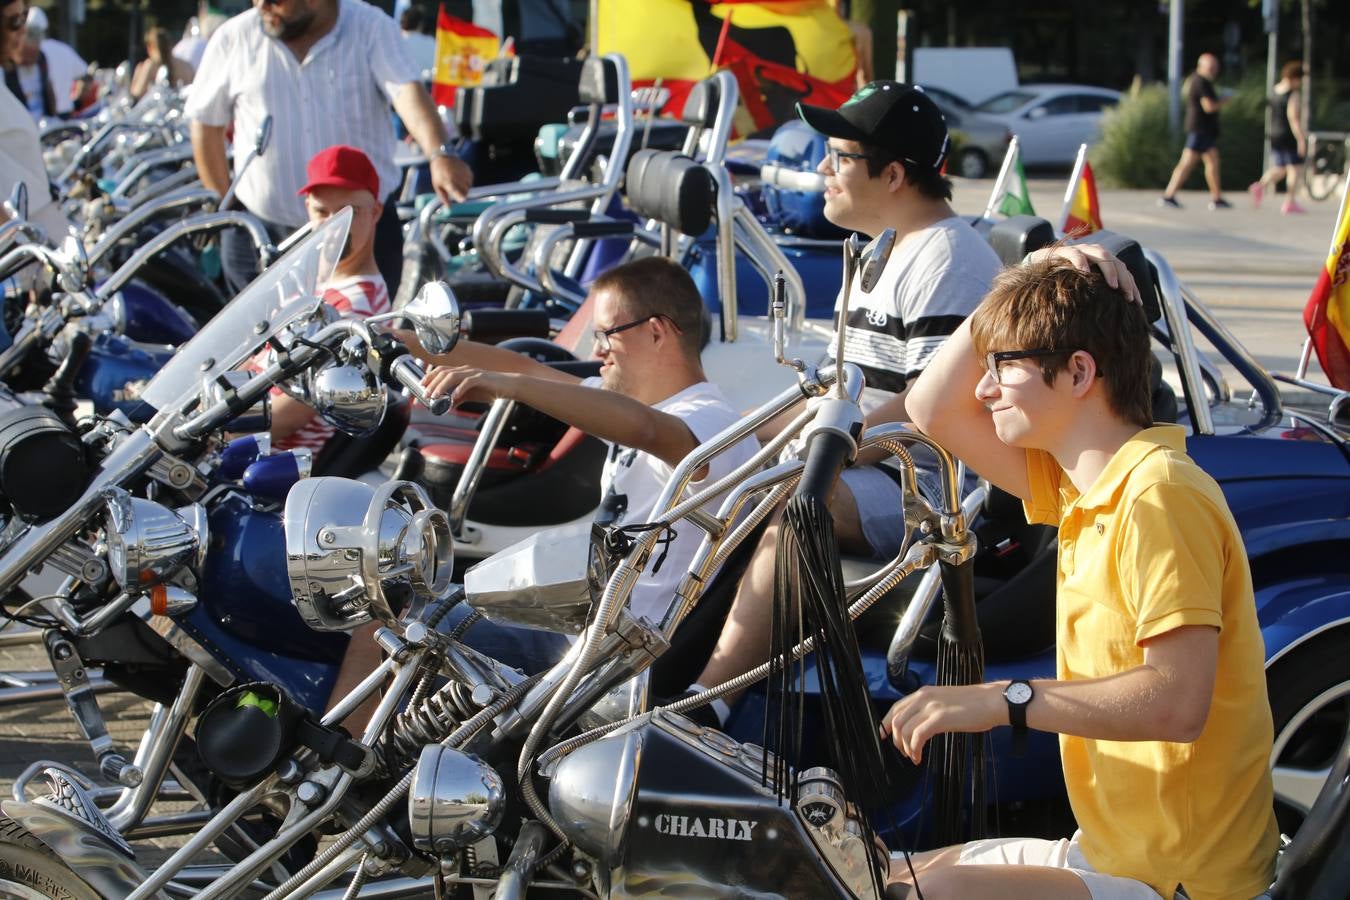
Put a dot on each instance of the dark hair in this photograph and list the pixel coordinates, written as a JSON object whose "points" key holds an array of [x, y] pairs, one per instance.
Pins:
{"points": [[1291, 69], [159, 39], [929, 182], [657, 286], [1050, 303], [411, 20]]}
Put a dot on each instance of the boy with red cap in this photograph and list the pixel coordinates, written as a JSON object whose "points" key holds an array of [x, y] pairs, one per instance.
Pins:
{"points": [[337, 177]]}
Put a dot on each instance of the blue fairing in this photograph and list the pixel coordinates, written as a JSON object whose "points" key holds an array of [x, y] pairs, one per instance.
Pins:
{"points": [[245, 616], [152, 318], [821, 270], [114, 364]]}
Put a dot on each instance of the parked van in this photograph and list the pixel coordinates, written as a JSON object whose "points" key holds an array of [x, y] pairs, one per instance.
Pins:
{"points": [[972, 73]]}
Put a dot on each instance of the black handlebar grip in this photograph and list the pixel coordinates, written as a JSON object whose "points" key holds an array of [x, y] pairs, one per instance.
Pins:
{"points": [[826, 455], [550, 216]]}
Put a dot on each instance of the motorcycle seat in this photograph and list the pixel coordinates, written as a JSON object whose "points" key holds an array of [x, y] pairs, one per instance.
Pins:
{"points": [[671, 188]]}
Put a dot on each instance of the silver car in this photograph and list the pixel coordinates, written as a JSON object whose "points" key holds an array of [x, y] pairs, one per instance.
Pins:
{"points": [[978, 142], [1051, 120]]}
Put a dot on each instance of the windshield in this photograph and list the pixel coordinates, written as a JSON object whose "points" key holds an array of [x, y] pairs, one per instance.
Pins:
{"points": [[1006, 102], [286, 291]]}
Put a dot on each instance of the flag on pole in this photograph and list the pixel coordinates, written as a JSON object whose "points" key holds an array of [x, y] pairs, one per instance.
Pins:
{"points": [[462, 52], [781, 51], [1081, 216], [1327, 314], [1010, 195]]}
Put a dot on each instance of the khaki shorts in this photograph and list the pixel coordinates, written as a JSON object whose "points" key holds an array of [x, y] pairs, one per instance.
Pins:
{"points": [[1061, 854]]}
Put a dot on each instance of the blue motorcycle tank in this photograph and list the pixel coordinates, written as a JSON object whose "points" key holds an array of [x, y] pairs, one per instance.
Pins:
{"points": [[798, 147], [149, 316], [115, 370]]}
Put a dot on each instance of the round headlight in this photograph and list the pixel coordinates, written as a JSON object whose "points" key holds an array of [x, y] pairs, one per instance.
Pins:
{"points": [[354, 552], [349, 398], [147, 542]]}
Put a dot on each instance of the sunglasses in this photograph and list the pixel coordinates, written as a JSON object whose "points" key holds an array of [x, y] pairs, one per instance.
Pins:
{"points": [[994, 360]]}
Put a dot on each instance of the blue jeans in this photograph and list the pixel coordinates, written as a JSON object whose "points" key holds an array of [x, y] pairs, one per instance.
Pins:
{"points": [[529, 649]]}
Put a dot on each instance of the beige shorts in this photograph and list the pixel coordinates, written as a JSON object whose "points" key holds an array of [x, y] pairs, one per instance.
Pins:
{"points": [[1061, 854]]}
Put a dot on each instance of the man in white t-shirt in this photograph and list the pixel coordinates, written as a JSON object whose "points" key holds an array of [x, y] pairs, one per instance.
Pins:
{"points": [[63, 65], [651, 402], [883, 169]]}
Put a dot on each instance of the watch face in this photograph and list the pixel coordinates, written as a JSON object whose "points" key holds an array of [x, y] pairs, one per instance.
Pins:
{"points": [[1018, 692]]}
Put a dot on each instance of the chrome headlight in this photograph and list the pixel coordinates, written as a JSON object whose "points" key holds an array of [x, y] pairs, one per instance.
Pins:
{"points": [[354, 552], [349, 398], [148, 542], [301, 387], [455, 800]]}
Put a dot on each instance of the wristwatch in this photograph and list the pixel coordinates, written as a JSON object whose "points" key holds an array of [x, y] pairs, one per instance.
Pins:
{"points": [[1018, 694]]}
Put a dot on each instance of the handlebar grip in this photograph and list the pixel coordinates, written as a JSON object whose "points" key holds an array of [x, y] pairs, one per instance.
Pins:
{"points": [[409, 373], [551, 216]]}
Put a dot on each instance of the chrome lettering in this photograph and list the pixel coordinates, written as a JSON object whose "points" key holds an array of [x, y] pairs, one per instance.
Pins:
{"points": [[712, 828]]}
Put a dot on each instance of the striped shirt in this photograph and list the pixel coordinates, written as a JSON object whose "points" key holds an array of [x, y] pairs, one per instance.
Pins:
{"points": [[339, 94], [934, 278], [359, 295]]}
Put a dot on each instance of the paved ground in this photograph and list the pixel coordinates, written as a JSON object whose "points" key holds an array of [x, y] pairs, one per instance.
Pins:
{"points": [[1254, 268]]}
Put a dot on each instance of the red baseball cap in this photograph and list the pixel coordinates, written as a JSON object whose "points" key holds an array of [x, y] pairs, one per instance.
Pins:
{"points": [[344, 167]]}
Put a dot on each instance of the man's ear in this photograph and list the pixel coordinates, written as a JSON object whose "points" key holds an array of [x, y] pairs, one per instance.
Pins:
{"points": [[895, 176]]}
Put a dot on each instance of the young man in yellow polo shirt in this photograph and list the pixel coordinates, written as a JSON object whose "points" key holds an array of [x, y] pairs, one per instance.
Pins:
{"points": [[1160, 695]]}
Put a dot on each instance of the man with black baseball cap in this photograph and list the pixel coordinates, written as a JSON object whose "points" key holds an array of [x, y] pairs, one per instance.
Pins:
{"points": [[883, 169]]}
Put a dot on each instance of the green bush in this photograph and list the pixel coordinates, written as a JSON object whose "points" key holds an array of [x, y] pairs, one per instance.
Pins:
{"points": [[1136, 149]]}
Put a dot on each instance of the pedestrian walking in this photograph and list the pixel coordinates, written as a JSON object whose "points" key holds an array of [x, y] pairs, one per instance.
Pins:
{"points": [[1288, 142], [1202, 134]]}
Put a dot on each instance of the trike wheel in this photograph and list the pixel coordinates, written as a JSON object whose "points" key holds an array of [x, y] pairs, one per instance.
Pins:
{"points": [[31, 871]]}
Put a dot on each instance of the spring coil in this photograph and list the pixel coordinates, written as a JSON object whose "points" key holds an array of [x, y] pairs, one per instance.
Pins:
{"points": [[428, 721]]}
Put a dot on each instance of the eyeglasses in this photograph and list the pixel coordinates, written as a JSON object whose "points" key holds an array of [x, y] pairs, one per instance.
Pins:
{"points": [[602, 335], [994, 360], [834, 155]]}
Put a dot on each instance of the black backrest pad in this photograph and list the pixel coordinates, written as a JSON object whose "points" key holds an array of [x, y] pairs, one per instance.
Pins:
{"points": [[672, 188], [599, 81], [1016, 236], [1128, 251], [700, 107]]}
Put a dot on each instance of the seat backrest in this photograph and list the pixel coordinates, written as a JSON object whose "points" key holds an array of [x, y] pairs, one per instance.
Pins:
{"points": [[700, 106], [599, 81], [671, 188], [1128, 251], [1016, 236]]}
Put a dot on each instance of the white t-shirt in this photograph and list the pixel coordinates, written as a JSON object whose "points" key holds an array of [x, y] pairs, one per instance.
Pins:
{"points": [[64, 66], [21, 160], [934, 279], [30, 82], [339, 94], [632, 482]]}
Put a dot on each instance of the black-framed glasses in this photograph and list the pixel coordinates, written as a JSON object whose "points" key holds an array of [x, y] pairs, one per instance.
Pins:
{"points": [[834, 155], [602, 335], [994, 360]]}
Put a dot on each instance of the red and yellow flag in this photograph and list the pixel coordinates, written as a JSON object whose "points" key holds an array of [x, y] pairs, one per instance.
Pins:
{"points": [[1327, 315], [780, 51], [1083, 216], [462, 52]]}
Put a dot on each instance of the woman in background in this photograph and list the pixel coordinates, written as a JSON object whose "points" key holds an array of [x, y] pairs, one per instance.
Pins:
{"points": [[159, 52]]}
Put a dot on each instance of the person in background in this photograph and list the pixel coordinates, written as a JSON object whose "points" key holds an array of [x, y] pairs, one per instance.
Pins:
{"points": [[158, 54], [25, 67], [1288, 143], [326, 71], [336, 178], [195, 36], [1202, 135], [65, 67], [420, 47]]}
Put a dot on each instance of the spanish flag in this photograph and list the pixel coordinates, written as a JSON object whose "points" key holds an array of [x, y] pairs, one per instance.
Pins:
{"points": [[462, 52], [1082, 216], [780, 52], [1327, 315]]}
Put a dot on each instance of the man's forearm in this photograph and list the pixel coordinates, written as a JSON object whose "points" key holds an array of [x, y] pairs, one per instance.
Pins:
{"points": [[485, 356], [208, 151], [419, 115], [1135, 705], [607, 415]]}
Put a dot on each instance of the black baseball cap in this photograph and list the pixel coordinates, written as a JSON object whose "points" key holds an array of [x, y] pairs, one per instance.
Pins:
{"points": [[888, 115]]}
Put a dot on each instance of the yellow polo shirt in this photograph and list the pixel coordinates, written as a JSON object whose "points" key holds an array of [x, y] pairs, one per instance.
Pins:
{"points": [[1150, 547]]}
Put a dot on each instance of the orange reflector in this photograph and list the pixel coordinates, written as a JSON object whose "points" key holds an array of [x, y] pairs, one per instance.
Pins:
{"points": [[159, 600]]}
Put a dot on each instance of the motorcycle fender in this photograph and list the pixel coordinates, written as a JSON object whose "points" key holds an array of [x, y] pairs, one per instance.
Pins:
{"points": [[1295, 612], [93, 857]]}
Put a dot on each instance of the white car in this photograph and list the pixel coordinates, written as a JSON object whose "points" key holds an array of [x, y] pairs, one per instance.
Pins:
{"points": [[1051, 120]]}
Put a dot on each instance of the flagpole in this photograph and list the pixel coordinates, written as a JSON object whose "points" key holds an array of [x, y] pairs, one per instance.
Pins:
{"points": [[1306, 357], [1074, 178], [997, 193]]}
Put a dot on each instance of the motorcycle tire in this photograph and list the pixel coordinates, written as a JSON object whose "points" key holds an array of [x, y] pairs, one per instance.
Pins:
{"points": [[1309, 691], [28, 867]]}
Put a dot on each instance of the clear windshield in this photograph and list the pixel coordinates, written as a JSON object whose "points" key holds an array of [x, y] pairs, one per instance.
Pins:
{"points": [[283, 293]]}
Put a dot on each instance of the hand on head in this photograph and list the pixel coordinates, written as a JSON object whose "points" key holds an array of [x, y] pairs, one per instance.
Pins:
{"points": [[1085, 256]]}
